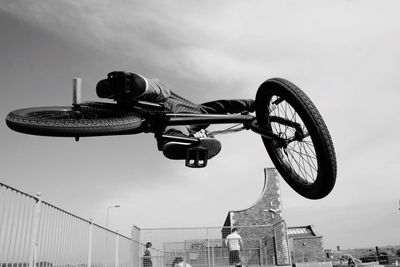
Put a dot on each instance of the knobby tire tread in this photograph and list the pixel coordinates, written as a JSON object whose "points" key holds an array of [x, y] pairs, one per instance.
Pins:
{"points": [[327, 171], [316, 116], [20, 121]]}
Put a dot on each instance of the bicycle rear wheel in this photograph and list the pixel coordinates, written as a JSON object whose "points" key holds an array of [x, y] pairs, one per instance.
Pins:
{"points": [[89, 119], [303, 153]]}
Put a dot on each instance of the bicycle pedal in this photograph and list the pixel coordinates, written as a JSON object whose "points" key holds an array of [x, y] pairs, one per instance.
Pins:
{"points": [[196, 157]]}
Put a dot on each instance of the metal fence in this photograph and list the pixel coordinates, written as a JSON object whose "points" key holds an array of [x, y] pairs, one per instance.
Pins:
{"points": [[303, 256], [204, 246], [36, 233]]}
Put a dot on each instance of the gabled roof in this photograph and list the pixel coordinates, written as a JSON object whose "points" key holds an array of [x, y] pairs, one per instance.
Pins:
{"points": [[301, 231]]}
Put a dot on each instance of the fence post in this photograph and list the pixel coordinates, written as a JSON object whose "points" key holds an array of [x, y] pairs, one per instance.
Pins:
{"points": [[35, 232], [135, 249], [260, 252], [213, 255], [89, 264], [116, 250], [208, 250]]}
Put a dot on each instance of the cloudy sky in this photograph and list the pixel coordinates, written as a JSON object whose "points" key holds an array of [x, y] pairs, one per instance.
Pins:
{"points": [[344, 54]]}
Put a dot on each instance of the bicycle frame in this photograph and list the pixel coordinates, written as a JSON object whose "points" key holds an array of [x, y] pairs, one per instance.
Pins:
{"points": [[200, 119], [248, 121], [180, 119], [157, 120]]}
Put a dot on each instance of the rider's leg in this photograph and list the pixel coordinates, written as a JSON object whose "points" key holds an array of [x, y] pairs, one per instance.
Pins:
{"points": [[228, 106], [153, 90], [178, 104], [174, 150], [231, 106], [177, 150], [158, 92]]}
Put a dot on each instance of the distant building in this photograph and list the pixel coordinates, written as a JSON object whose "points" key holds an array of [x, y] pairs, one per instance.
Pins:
{"points": [[305, 245], [301, 243], [267, 240]]}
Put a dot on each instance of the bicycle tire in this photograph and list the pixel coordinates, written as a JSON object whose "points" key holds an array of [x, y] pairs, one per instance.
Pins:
{"points": [[90, 119], [308, 162]]}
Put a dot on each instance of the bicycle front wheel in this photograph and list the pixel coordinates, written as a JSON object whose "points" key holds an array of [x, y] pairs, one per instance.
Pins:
{"points": [[303, 151], [90, 119]]}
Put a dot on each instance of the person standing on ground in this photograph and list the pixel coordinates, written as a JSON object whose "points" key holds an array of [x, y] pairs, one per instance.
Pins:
{"points": [[147, 256], [234, 243]]}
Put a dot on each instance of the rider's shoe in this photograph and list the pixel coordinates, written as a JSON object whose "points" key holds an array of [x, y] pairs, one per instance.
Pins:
{"points": [[103, 89], [178, 150], [121, 84]]}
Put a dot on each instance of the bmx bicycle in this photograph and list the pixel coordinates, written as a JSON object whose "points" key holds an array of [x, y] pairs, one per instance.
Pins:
{"points": [[291, 128]]}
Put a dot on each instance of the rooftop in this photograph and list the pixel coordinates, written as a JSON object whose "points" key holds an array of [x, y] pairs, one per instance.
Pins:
{"points": [[301, 231]]}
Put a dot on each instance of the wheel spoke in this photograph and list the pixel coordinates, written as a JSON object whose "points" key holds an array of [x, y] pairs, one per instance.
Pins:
{"points": [[300, 169], [303, 154], [303, 169], [303, 161], [300, 155], [70, 114], [52, 115], [307, 158]]}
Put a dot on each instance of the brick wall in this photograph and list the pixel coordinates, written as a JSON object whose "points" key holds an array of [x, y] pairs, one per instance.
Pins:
{"points": [[270, 199], [260, 214], [307, 249]]}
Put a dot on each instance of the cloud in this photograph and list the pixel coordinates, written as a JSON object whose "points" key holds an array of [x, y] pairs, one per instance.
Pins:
{"points": [[343, 54], [210, 41]]}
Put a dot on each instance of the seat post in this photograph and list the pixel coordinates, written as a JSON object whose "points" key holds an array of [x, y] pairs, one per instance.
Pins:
{"points": [[76, 91]]}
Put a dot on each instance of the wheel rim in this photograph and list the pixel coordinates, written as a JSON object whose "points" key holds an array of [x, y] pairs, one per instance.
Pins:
{"points": [[81, 113], [63, 114], [91, 119], [295, 148]]}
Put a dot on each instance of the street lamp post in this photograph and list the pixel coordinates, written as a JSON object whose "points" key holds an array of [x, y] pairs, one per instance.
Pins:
{"points": [[108, 212]]}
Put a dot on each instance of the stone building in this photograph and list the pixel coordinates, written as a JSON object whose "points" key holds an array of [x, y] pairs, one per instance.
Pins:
{"points": [[305, 245], [267, 240], [282, 245]]}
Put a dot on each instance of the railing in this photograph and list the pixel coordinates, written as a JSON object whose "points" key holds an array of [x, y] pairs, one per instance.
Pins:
{"points": [[304, 256], [36, 233], [205, 246], [212, 254]]}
